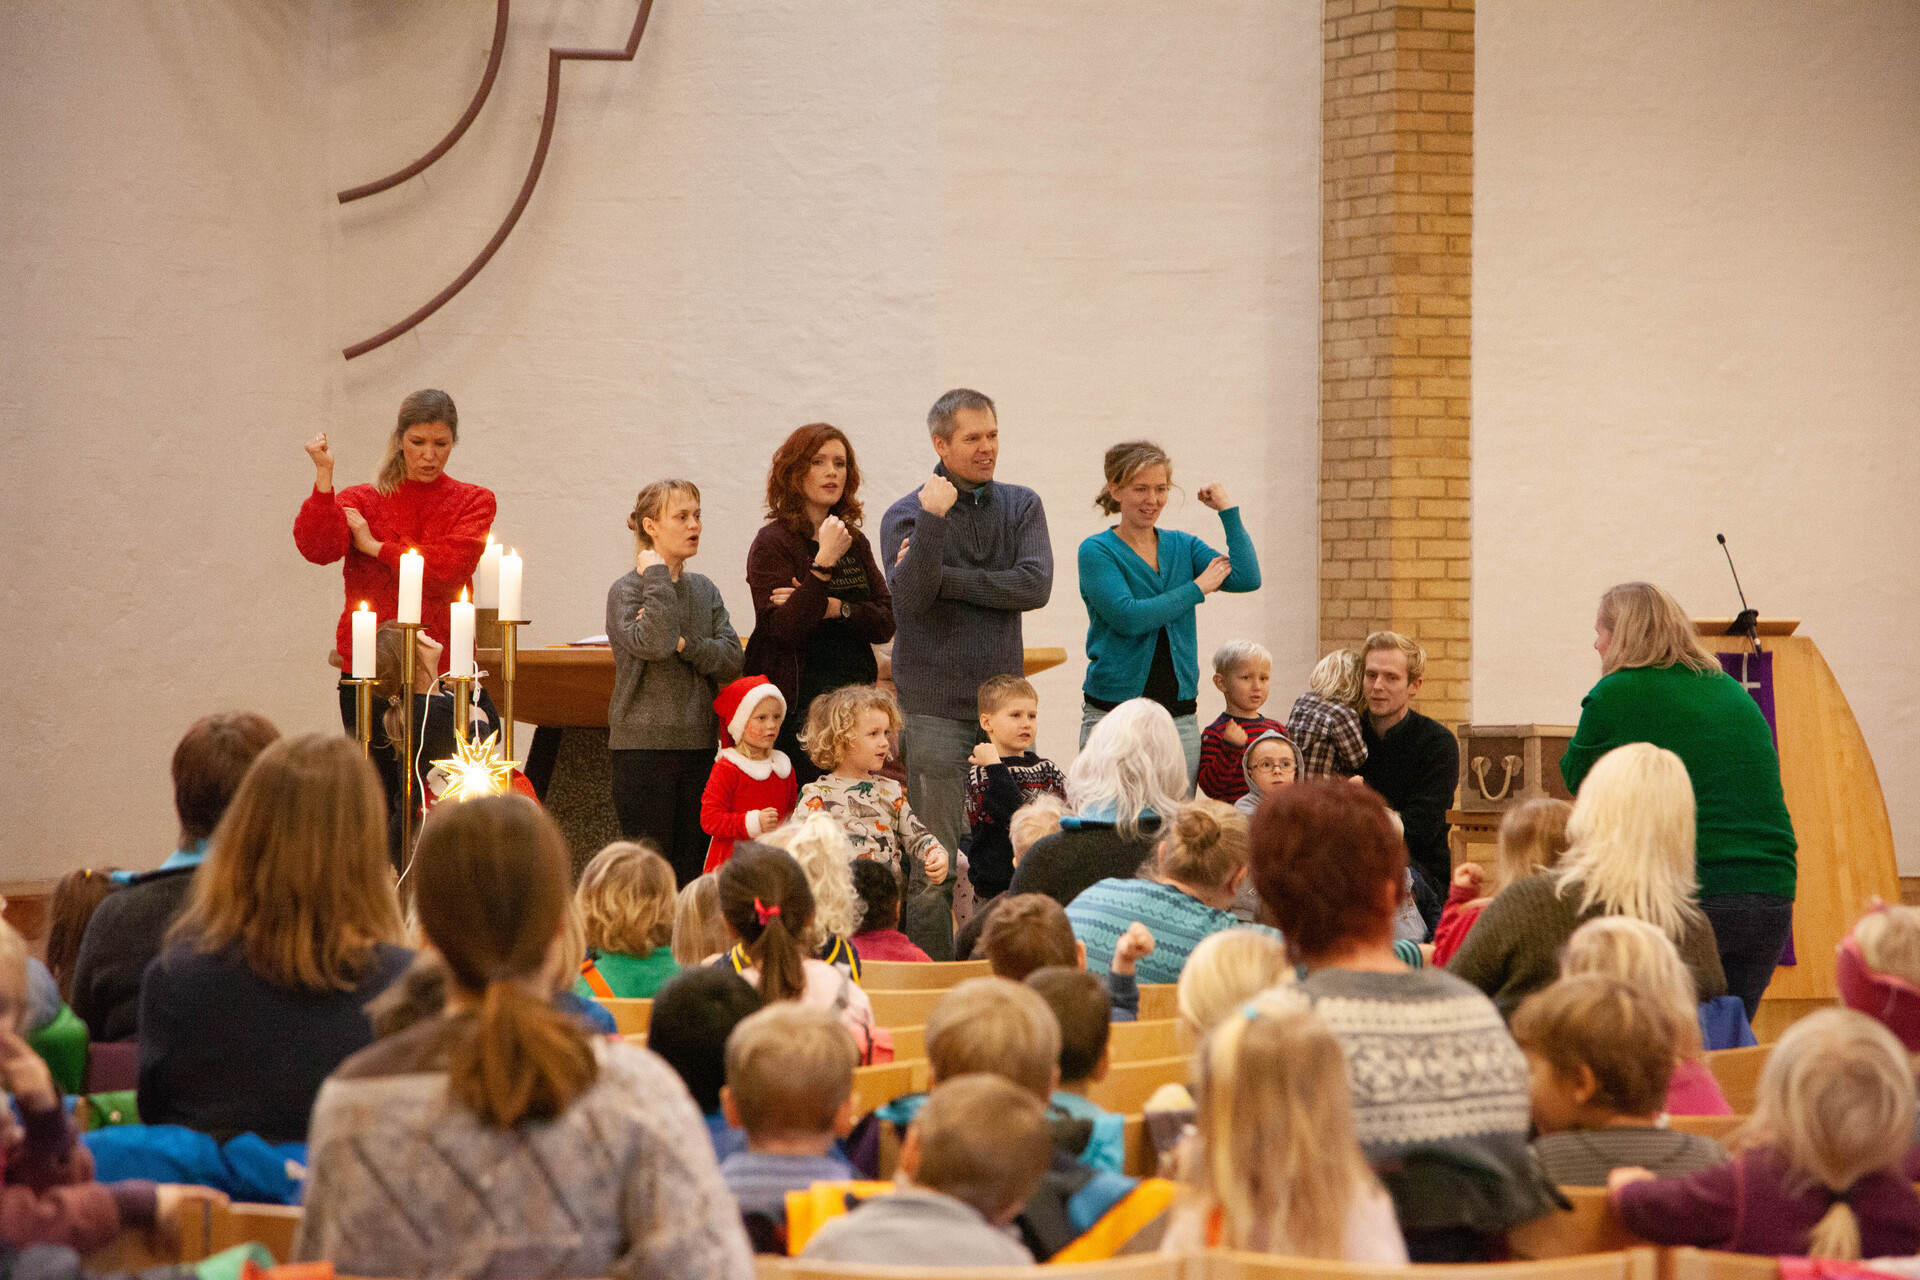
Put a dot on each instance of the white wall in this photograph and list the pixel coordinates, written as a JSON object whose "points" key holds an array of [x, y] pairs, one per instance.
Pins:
{"points": [[1105, 217], [1697, 310]]}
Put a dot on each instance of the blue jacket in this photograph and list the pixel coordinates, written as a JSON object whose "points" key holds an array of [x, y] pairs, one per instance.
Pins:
{"points": [[1128, 603]]}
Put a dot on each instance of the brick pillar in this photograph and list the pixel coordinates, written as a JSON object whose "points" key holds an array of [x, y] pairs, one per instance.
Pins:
{"points": [[1396, 277]]}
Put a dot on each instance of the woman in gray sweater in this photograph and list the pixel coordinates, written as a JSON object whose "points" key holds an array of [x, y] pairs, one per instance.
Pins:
{"points": [[673, 647]]}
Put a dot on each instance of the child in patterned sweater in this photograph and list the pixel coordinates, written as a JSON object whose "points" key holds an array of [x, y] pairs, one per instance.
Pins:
{"points": [[1003, 774], [847, 735]]}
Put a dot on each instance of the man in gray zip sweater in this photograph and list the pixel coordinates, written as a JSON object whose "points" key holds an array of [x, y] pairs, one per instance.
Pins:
{"points": [[965, 557]]}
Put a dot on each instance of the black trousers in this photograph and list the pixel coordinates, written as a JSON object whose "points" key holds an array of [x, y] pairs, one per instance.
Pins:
{"points": [[1751, 930], [656, 795]]}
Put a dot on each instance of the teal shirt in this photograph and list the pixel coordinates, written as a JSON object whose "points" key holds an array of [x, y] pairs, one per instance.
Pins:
{"points": [[1106, 1150], [1745, 841], [1128, 603], [631, 977], [1178, 922]]}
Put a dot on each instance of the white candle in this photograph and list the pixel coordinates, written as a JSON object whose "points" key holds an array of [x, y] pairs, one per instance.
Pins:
{"points": [[364, 626], [412, 568], [510, 588], [486, 583], [460, 637]]}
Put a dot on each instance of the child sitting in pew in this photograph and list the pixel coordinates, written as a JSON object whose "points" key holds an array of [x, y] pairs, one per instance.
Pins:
{"points": [[1599, 1054], [790, 1089], [626, 903], [1028, 932], [691, 1020], [1084, 1011], [879, 938]]}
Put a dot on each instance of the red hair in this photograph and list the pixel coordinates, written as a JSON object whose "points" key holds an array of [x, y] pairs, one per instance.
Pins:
{"points": [[1322, 849], [789, 468]]}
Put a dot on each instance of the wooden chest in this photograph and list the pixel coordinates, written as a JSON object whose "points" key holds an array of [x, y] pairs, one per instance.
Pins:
{"points": [[1502, 765]]}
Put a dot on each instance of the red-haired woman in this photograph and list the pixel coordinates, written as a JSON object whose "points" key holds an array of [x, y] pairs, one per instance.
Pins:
{"points": [[820, 602]]}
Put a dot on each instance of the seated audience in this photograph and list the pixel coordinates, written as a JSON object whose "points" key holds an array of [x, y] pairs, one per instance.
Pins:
{"points": [[821, 848], [75, 898], [1644, 958], [1030, 931], [291, 926], [1599, 1054], [1878, 970], [790, 1090], [1033, 822], [1130, 775], [1270, 761], [625, 901], [563, 973], [699, 934], [692, 1018], [1533, 835], [971, 1159], [1629, 853], [1188, 893], [879, 938], [1818, 1173], [1412, 760], [1085, 1013], [500, 1135], [1451, 1146], [768, 908], [128, 928], [1277, 1166]]}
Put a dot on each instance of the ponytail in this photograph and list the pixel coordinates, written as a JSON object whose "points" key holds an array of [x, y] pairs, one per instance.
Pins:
{"points": [[1837, 1235], [765, 899], [521, 1059]]}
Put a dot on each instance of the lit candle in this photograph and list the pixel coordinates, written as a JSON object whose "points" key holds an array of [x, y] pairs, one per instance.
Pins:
{"points": [[412, 568], [486, 583], [364, 626], [510, 588], [460, 637]]}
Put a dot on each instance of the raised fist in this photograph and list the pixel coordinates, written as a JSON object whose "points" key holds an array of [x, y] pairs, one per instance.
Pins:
{"points": [[836, 540], [938, 495]]}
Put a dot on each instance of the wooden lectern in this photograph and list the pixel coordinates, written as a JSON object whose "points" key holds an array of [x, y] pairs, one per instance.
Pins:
{"points": [[1839, 815]]}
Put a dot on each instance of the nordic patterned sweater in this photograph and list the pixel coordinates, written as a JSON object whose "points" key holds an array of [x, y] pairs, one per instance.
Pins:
{"points": [[994, 793]]}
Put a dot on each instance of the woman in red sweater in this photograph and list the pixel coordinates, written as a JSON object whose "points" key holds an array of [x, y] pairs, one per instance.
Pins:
{"points": [[411, 505], [820, 602]]}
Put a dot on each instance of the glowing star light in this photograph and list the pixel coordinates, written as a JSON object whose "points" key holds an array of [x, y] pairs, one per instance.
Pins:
{"points": [[474, 770]]}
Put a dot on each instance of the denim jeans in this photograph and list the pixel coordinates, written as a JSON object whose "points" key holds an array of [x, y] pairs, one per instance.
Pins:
{"points": [[1188, 727], [936, 751], [1751, 930]]}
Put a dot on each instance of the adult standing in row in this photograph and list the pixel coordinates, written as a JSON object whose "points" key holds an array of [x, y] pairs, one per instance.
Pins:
{"points": [[820, 603], [1413, 761], [1142, 585], [965, 556], [1659, 685]]}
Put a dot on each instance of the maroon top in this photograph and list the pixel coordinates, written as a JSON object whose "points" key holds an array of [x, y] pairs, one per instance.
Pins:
{"points": [[887, 944], [777, 649], [47, 1191], [1755, 1204]]}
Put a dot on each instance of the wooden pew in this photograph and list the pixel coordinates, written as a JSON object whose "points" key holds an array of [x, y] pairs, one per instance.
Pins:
{"points": [[1738, 1073], [1150, 1266], [909, 1042], [1632, 1264], [907, 975], [892, 1008], [1687, 1263], [877, 1086], [1129, 1084], [630, 1016], [1159, 1000], [1590, 1227], [1719, 1128], [1133, 1041]]}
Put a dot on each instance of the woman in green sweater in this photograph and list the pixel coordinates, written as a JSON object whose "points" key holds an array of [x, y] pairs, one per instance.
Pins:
{"points": [[1659, 685]]}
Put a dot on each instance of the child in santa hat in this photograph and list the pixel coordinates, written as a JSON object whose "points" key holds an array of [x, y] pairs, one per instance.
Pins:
{"points": [[752, 787]]}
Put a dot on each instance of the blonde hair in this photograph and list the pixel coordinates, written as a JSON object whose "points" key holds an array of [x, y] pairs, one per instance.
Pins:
{"points": [[790, 1070], [1630, 836], [1034, 821], [997, 691], [419, 409], [1124, 462], [1277, 1156], [1646, 959], [653, 500], [820, 846], [1836, 1100], [1229, 657], [698, 930], [1889, 941], [13, 975], [983, 1141], [570, 952], [626, 899], [1225, 971], [1650, 629], [1337, 678], [1203, 844], [1533, 836], [297, 877], [834, 719], [1381, 641], [997, 1026]]}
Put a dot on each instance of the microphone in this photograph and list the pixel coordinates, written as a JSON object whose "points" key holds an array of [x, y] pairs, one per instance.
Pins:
{"points": [[1747, 624]]}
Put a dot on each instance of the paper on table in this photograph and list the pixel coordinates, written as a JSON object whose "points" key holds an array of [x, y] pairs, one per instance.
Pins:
{"points": [[589, 642]]}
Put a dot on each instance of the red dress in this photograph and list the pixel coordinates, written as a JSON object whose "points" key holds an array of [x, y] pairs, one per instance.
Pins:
{"points": [[737, 789], [446, 521]]}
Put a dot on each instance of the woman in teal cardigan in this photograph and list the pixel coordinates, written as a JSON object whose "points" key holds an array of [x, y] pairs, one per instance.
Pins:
{"points": [[1660, 685], [1142, 585]]}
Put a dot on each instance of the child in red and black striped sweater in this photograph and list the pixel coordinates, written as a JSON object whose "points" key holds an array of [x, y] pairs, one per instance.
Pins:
{"points": [[1242, 670]]}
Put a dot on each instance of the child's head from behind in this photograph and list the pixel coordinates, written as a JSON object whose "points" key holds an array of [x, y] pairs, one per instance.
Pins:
{"points": [[1645, 959], [692, 1017], [847, 730], [1009, 713], [1338, 678], [768, 905], [1597, 1050], [698, 930], [1205, 848], [75, 898], [1030, 931], [626, 899], [820, 846], [878, 886], [1084, 1010], [1889, 941], [980, 1140], [1034, 821], [790, 1074], [1225, 971], [13, 978], [1277, 1152], [999, 1027], [1878, 970], [1533, 835], [1243, 671]]}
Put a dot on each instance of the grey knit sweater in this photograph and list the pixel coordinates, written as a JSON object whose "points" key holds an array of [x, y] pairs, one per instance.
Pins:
{"points": [[663, 695], [404, 1181]]}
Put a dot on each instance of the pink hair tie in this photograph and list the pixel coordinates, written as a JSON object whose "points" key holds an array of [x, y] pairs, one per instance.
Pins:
{"points": [[765, 912]]}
